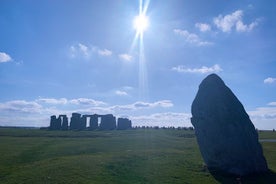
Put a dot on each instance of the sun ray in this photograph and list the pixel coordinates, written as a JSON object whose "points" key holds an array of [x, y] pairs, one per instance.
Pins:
{"points": [[141, 24]]}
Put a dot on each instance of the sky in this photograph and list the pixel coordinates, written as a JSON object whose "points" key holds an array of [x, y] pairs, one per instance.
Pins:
{"points": [[59, 57]]}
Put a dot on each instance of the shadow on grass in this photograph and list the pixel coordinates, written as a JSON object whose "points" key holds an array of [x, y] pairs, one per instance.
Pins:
{"points": [[264, 178]]}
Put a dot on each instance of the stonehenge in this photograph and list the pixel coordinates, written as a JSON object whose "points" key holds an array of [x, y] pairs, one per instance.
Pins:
{"points": [[96, 122], [60, 123]]}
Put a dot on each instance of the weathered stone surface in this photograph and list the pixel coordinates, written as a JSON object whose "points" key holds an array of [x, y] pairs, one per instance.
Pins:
{"points": [[123, 124], [64, 122], [53, 122], [226, 136], [93, 123], [75, 121], [108, 122], [82, 125]]}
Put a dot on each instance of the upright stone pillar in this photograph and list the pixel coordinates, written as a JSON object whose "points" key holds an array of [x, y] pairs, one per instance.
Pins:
{"points": [[227, 138], [93, 123], [75, 121]]}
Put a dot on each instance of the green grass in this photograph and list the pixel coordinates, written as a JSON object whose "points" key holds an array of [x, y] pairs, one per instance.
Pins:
{"points": [[130, 156]]}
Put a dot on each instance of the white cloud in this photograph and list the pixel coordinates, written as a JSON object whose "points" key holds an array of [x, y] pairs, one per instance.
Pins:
{"points": [[241, 27], [121, 93], [143, 105], [21, 106], [4, 57], [53, 100], [86, 101], [213, 69], [163, 119], [105, 52], [83, 49], [125, 57], [80, 50], [234, 20], [264, 112], [191, 37], [203, 27], [37, 112], [269, 80], [228, 21], [34, 113], [161, 103], [64, 101], [272, 104], [264, 117]]}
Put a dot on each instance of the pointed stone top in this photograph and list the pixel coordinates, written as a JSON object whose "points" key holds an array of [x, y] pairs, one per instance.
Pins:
{"points": [[226, 136], [211, 81]]}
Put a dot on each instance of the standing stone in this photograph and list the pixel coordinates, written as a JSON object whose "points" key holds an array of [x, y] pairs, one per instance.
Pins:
{"points": [[64, 125], [58, 124], [108, 122], [226, 136], [123, 124], [82, 123], [75, 121], [93, 123], [53, 122]]}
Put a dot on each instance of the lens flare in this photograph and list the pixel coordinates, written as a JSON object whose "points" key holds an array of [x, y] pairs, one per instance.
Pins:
{"points": [[141, 23]]}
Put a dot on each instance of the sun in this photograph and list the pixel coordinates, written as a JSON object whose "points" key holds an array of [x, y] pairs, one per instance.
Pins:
{"points": [[140, 23]]}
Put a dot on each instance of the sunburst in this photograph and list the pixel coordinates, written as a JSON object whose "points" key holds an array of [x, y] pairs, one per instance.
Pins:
{"points": [[141, 24]]}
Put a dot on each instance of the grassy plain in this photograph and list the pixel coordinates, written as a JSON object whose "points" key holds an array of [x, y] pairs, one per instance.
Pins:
{"points": [[130, 156]]}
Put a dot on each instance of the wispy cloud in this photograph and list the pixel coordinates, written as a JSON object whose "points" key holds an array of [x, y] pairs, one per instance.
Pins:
{"points": [[86, 101], [105, 52], [191, 37], [166, 119], [203, 27], [161, 103], [125, 57], [121, 93], [234, 20], [64, 101], [213, 69], [21, 106], [269, 80], [264, 112], [80, 50], [241, 27], [4, 57], [38, 111], [52, 100], [264, 117], [85, 51], [272, 104], [143, 105]]}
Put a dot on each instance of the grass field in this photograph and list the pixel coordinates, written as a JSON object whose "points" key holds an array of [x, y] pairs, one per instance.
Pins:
{"points": [[130, 156]]}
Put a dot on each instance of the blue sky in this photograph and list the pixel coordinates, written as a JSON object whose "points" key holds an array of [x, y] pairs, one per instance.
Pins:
{"points": [[59, 57]]}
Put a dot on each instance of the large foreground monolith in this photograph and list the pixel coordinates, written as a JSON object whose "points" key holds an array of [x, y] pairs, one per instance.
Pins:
{"points": [[226, 136]]}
